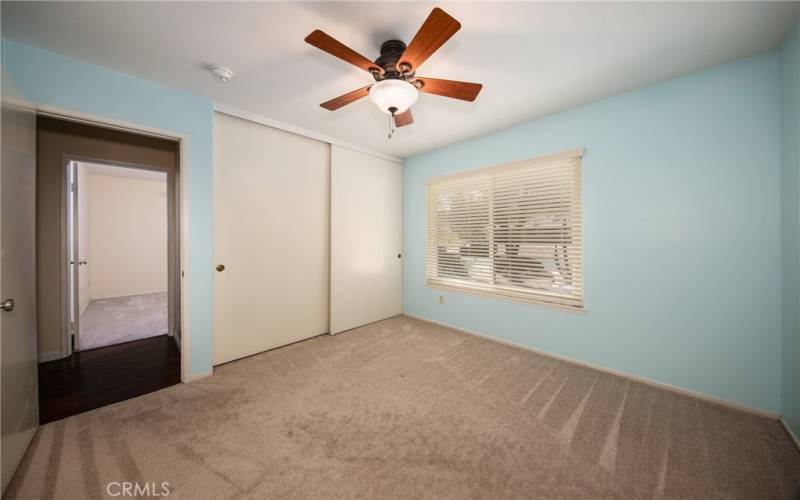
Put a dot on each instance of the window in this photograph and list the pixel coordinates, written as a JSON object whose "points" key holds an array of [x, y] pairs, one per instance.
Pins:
{"points": [[510, 231]]}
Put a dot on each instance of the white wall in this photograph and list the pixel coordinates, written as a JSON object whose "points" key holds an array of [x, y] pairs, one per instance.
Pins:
{"points": [[127, 235]]}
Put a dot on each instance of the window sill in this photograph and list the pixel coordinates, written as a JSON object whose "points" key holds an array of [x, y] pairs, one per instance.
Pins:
{"points": [[509, 298]]}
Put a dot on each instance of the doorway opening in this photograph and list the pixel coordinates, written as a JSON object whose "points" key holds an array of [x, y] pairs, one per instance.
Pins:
{"points": [[118, 244], [108, 265]]}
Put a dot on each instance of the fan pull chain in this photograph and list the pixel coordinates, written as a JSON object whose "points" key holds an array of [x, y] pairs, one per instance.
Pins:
{"points": [[391, 125]]}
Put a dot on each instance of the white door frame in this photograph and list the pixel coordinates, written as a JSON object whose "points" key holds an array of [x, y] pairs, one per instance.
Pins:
{"points": [[184, 172]]}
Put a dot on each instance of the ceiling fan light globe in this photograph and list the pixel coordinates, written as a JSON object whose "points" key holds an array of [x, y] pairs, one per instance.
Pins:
{"points": [[397, 94]]}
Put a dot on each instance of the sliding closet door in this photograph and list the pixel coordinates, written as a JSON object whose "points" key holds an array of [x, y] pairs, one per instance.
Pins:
{"points": [[271, 234], [366, 239]]}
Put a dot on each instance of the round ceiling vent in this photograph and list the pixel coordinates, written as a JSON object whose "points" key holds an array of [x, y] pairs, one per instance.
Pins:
{"points": [[221, 73]]}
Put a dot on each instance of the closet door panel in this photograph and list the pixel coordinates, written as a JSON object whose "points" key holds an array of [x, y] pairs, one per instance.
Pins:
{"points": [[366, 239], [272, 235]]}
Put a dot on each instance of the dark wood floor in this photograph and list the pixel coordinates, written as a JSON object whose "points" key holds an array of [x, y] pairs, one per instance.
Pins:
{"points": [[98, 377]]}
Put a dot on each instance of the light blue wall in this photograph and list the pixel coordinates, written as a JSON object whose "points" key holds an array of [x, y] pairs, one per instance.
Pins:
{"points": [[51, 79], [681, 186], [790, 225]]}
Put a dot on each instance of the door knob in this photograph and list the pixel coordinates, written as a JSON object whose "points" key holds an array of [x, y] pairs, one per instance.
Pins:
{"points": [[7, 305], [82, 262], [220, 267]]}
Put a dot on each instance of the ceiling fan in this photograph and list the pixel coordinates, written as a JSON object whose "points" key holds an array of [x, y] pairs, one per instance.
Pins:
{"points": [[397, 85]]}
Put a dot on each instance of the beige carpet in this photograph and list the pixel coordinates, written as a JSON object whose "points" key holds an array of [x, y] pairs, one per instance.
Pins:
{"points": [[407, 409], [123, 319]]}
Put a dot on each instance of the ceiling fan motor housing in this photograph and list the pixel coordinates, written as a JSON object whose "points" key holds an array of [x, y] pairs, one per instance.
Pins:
{"points": [[396, 86], [391, 51]]}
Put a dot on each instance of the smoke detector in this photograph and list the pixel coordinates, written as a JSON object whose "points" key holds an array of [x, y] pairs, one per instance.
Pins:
{"points": [[221, 73]]}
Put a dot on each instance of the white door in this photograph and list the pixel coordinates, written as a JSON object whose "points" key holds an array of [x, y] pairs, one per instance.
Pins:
{"points": [[20, 407], [82, 223], [366, 239], [78, 237], [271, 234]]}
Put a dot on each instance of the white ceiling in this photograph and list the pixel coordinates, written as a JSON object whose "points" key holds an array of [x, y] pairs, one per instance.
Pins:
{"points": [[534, 59]]}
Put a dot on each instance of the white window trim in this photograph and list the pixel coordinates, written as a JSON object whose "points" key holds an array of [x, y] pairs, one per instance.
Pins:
{"points": [[533, 297]]}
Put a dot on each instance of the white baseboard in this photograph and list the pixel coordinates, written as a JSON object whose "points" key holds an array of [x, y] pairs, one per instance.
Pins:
{"points": [[790, 433], [662, 385], [146, 292], [49, 356], [197, 376]]}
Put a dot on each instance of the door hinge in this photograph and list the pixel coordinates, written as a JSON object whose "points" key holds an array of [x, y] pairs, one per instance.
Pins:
{"points": [[72, 187]]}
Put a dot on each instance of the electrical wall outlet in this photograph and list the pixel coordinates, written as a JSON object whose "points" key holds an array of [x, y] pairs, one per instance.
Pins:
{"points": [[441, 299]]}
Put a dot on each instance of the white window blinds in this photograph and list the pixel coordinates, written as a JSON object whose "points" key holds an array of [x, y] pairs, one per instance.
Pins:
{"points": [[510, 231]]}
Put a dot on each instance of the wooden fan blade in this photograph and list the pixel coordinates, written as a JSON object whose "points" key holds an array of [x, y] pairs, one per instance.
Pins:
{"points": [[325, 42], [346, 99], [465, 91], [436, 30], [404, 118]]}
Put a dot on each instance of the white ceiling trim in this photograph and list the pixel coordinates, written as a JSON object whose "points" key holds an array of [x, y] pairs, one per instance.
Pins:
{"points": [[270, 122]]}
